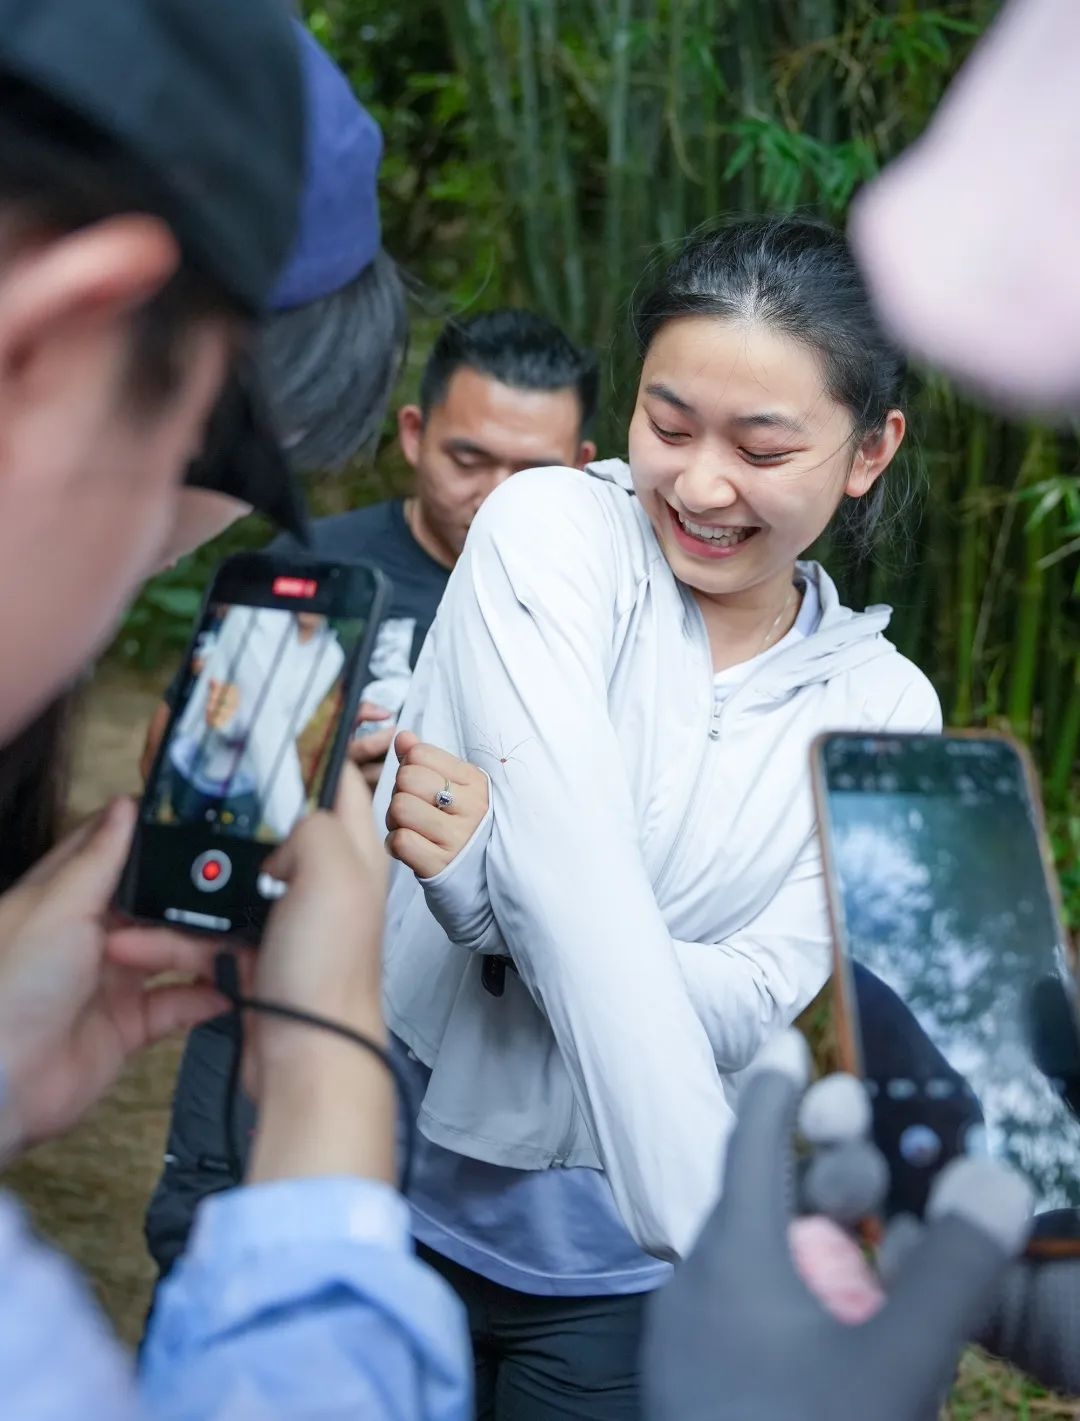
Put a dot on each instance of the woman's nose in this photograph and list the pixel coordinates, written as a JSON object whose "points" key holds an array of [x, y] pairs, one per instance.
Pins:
{"points": [[705, 485]]}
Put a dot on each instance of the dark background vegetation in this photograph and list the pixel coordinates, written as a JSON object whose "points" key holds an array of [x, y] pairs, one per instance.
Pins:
{"points": [[545, 152]]}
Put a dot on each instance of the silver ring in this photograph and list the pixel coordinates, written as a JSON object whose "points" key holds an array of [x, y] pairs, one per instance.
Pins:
{"points": [[444, 798]]}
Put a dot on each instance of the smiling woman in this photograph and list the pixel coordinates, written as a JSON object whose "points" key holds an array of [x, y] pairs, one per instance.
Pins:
{"points": [[648, 641]]}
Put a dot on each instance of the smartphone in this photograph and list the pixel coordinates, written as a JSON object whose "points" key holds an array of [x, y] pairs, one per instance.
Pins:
{"points": [[259, 730], [954, 989]]}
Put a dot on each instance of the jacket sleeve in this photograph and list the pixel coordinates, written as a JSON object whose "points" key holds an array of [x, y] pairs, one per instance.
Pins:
{"points": [[302, 1300], [523, 651], [58, 1358], [741, 989], [757, 980]]}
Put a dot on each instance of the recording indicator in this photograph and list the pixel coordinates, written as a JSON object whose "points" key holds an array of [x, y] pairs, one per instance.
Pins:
{"points": [[294, 587]]}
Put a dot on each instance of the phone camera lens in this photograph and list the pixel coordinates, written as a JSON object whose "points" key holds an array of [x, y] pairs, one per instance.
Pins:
{"points": [[920, 1146]]}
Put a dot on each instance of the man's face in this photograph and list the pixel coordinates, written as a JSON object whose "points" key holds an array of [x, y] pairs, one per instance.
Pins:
{"points": [[480, 434], [89, 480]]}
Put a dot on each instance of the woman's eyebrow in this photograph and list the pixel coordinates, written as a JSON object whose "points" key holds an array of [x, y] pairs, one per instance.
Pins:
{"points": [[765, 419], [668, 395], [770, 419]]}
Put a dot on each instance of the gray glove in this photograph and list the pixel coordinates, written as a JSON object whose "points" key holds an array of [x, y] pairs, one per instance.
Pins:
{"points": [[1035, 1321], [737, 1336]]}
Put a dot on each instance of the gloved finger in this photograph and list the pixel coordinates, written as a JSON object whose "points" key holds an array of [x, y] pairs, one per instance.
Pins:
{"points": [[757, 1202], [901, 1236], [978, 1215], [835, 1109], [846, 1183]]}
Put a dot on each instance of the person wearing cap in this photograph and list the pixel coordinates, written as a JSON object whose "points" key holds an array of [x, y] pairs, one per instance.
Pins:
{"points": [[142, 228], [326, 358], [328, 354]]}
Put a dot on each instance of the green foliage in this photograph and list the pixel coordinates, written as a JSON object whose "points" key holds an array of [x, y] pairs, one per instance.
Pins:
{"points": [[1065, 840], [542, 151]]}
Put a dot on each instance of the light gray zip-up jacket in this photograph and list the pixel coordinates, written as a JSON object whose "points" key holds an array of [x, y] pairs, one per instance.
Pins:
{"points": [[569, 664]]}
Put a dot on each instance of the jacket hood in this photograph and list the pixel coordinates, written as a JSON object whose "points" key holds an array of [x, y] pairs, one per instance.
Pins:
{"points": [[844, 641]]}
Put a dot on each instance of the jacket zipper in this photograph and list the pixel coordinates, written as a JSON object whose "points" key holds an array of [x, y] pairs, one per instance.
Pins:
{"points": [[712, 733]]}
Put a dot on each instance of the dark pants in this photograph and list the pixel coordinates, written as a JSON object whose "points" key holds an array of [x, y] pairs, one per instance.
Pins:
{"points": [[197, 1155], [549, 1359]]}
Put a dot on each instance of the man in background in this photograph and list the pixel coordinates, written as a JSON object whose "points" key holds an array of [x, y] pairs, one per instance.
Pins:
{"points": [[501, 392]]}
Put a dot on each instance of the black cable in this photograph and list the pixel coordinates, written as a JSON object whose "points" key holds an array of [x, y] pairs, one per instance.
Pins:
{"points": [[227, 984]]}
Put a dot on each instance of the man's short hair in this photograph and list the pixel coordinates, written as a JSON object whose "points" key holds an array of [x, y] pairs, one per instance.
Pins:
{"points": [[517, 348]]}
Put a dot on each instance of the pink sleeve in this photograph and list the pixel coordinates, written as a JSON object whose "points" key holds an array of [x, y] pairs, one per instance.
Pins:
{"points": [[971, 240]]}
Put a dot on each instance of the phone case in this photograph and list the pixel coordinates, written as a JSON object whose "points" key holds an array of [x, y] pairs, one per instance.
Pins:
{"points": [[843, 1006]]}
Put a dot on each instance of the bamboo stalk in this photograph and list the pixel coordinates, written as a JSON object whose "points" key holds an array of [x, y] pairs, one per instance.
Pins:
{"points": [[967, 572], [575, 310], [532, 196], [617, 107], [1064, 752], [1025, 649]]}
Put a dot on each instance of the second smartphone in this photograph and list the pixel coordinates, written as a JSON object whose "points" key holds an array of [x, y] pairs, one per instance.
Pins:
{"points": [[257, 737], [955, 995]]}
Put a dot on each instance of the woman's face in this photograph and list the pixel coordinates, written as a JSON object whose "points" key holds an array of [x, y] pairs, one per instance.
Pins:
{"points": [[739, 454]]}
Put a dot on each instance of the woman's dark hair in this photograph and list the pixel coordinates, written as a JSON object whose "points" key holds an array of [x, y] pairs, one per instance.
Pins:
{"points": [[328, 369], [58, 174], [34, 776], [797, 277]]}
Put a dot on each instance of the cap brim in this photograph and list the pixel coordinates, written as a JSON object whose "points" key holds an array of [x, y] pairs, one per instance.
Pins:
{"points": [[243, 457]]}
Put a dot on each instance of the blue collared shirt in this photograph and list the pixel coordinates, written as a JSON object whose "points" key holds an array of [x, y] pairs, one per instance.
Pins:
{"points": [[297, 1299]]}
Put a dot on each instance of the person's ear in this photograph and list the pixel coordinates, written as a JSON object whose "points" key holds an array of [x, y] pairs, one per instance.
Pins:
{"points": [[58, 292], [410, 423], [586, 453], [875, 454]]}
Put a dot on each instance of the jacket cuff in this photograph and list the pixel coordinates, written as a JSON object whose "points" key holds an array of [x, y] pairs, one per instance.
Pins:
{"points": [[458, 899]]}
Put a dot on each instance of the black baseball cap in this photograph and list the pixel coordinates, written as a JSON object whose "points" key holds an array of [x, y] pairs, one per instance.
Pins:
{"points": [[206, 96]]}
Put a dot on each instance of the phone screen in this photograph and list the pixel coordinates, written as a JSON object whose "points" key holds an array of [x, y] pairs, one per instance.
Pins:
{"points": [[259, 724], [956, 981], [248, 750]]}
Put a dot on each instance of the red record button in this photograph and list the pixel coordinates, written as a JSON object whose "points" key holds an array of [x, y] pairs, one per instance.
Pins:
{"points": [[211, 871]]}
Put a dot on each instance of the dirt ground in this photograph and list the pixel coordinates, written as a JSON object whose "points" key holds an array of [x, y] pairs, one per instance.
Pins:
{"points": [[88, 1192]]}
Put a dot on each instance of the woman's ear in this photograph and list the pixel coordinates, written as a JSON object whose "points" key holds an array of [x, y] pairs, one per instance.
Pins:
{"points": [[875, 454]]}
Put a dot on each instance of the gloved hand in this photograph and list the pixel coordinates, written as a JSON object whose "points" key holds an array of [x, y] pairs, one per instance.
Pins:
{"points": [[1035, 1319], [737, 1336]]}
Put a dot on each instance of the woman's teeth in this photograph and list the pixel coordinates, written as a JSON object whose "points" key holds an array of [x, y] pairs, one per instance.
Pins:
{"points": [[711, 533]]}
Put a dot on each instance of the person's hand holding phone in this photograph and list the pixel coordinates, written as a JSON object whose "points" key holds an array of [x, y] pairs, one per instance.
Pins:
{"points": [[77, 999], [368, 749], [326, 1107]]}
